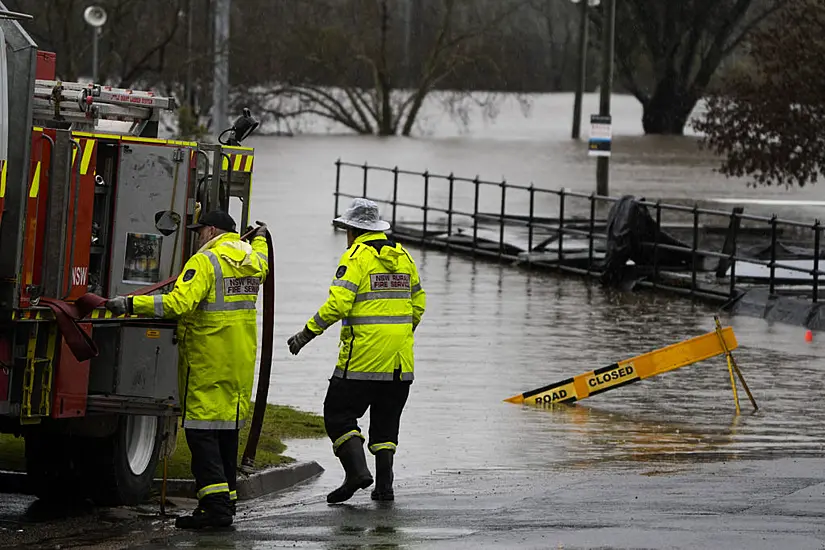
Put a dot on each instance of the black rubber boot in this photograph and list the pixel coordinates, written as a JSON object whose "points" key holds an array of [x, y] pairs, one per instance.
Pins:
{"points": [[351, 455], [383, 476], [204, 519]]}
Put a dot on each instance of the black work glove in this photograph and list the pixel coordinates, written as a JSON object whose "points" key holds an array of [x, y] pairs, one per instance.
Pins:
{"points": [[260, 231], [299, 340], [119, 305]]}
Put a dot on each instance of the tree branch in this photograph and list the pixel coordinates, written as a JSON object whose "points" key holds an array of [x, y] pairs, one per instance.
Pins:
{"points": [[139, 67]]}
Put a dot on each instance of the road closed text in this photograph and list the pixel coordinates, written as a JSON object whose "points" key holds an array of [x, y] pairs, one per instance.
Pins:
{"points": [[557, 394], [612, 377]]}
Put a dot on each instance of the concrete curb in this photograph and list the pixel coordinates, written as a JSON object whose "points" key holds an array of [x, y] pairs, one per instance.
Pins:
{"points": [[13, 482], [263, 482]]}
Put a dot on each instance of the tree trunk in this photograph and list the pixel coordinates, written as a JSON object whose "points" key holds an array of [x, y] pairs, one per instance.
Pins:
{"points": [[412, 113], [385, 126], [667, 111]]}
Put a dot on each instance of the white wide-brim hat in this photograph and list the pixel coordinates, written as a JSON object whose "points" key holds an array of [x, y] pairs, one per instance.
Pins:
{"points": [[362, 214]]}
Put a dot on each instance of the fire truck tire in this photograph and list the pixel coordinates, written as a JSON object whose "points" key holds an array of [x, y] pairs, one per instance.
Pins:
{"points": [[122, 466]]}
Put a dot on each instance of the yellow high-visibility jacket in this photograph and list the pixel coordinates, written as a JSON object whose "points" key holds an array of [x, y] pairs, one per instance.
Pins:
{"points": [[377, 295], [215, 302]]}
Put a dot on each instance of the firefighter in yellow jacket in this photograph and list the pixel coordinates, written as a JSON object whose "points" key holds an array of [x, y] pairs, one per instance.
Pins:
{"points": [[377, 296], [215, 302]]}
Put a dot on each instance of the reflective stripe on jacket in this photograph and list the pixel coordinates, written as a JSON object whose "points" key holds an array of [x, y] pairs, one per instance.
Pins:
{"points": [[377, 296], [215, 302]]}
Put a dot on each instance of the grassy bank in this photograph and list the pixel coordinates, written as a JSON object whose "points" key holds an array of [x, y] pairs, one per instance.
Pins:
{"points": [[279, 423]]}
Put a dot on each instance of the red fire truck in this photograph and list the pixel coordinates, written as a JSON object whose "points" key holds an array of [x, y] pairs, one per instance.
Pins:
{"points": [[92, 201]]}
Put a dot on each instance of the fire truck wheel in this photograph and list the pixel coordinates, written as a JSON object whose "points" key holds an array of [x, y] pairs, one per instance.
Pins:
{"points": [[123, 466]]}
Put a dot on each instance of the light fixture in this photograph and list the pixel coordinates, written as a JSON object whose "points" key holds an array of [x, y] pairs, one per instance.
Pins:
{"points": [[243, 126], [95, 17]]}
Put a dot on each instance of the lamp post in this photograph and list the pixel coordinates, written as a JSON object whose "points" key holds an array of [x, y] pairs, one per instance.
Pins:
{"points": [[95, 16], [188, 94], [220, 86], [608, 37], [582, 75]]}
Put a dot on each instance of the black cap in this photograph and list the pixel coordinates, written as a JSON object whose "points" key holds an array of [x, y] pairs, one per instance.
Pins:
{"points": [[216, 218]]}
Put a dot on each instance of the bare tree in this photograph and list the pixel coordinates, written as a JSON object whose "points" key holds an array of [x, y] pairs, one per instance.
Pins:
{"points": [[134, 42], [770, 123], [668, 51], [556, 24], [355, 59]]}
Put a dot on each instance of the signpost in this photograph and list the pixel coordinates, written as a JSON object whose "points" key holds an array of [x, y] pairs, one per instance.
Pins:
{"points": [[601, 135]]}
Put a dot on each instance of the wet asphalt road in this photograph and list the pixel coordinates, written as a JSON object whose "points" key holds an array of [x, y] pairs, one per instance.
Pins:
{"points": [[741, 504]]}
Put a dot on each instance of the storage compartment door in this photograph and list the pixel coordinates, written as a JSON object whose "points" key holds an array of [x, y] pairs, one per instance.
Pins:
{"points": [[152, 180]]}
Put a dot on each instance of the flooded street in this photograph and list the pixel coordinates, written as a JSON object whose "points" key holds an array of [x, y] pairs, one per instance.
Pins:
{"points": [[492, 331], [622, 469]]}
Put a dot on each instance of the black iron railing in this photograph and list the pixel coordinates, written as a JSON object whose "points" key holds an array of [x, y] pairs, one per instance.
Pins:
{"points": [[582, 216]]}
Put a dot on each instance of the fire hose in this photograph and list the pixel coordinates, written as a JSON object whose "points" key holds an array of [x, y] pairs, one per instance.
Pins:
{"points": [[265, 368]]}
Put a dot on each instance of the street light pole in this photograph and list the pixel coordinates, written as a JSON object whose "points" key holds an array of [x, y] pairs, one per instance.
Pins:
{"points": [[608, 36], [95, 35], [220, 86], [582, 75], [189, 17], [95, 17]]}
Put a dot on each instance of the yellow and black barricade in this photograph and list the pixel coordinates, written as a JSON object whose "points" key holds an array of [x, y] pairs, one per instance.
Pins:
{"points": [[720, 341]]}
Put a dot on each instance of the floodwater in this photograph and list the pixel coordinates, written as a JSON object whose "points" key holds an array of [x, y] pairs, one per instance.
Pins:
{"points": [[492, 331]]}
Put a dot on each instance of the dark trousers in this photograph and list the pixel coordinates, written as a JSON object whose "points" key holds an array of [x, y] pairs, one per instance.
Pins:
{"points": [[214, 466], [348, 400]]}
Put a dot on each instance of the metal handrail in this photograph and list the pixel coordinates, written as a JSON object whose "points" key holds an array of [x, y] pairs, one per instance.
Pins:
{"points": [[584, 227]]}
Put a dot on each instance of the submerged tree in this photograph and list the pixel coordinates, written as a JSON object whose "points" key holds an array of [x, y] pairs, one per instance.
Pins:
{"points": [[668, 51], [369, 66], [770, 123]]}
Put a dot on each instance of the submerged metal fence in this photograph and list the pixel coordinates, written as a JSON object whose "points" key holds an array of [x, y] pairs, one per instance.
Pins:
{"points": [[457, 202]]}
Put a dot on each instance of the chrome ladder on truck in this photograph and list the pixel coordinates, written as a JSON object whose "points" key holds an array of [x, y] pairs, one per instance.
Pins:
{"points": [[83, 105]]}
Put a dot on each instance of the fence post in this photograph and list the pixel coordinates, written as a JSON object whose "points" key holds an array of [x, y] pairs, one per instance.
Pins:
{"points": [[366, 168], [590, 245], [656, 242], [561, 226], [773, 254], [816, 261], [734, 236], [394, 194], [501, 219], [337, 185], [530, 220], [426, 205], [451, 179], [695, 248], [477, 184]]}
